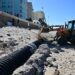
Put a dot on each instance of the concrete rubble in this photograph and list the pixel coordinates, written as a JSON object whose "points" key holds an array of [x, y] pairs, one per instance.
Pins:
{"points": [[51, 71], [51, 59]]}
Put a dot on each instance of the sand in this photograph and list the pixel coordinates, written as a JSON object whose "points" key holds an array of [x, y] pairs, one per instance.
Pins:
{"points": [[61, 60]]}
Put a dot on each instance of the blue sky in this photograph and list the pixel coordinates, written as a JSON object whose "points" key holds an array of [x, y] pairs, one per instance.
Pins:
{"points": [[56, 11]]}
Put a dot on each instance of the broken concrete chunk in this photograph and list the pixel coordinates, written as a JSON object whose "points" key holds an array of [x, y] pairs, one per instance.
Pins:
{"points": [[51, 71], [1, 36], [55, 64], [8, 35], [55, 51]]}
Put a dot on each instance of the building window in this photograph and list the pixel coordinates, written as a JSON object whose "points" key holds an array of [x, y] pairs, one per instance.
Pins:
{"points": [[20, 15], [21, 7], [9, 6], [21, 1], [3, 6], [17, 15], [5, 11], [3, 3], [21, 11]]}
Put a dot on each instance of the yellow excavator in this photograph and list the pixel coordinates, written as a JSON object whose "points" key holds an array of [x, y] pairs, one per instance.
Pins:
{"points": [[66, 34]]}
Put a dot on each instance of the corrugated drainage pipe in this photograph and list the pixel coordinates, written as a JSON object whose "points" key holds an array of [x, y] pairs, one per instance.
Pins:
{"points": [[12, 61]]}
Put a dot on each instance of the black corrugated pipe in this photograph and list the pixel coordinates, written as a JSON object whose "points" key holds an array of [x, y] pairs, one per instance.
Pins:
{"points": [[12, 61]]}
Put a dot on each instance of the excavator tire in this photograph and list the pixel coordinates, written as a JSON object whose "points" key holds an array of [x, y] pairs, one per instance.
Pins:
{"points": [[72, 42], [62, 41]]}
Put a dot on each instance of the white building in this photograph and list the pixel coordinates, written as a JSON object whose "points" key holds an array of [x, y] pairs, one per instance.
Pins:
{"points": [[29, 10], [39, 14]]}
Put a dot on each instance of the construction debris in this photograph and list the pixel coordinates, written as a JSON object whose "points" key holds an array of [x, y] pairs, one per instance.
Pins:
{"points": [[48, 60]]}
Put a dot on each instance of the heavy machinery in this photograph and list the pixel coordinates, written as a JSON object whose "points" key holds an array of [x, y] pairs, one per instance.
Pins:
{"points": [[66, 34], [45, 28]]}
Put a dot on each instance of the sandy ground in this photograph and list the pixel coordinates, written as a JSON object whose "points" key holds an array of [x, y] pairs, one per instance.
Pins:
{"points": [[66, 61], [61, 60], [12, 39]]}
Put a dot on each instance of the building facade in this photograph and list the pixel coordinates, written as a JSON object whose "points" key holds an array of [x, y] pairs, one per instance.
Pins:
{"points": [[39, 15], [14, 7], [29, 10]]}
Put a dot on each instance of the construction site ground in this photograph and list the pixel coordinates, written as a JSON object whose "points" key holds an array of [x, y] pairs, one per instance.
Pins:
{"points": [[58, 60]]}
